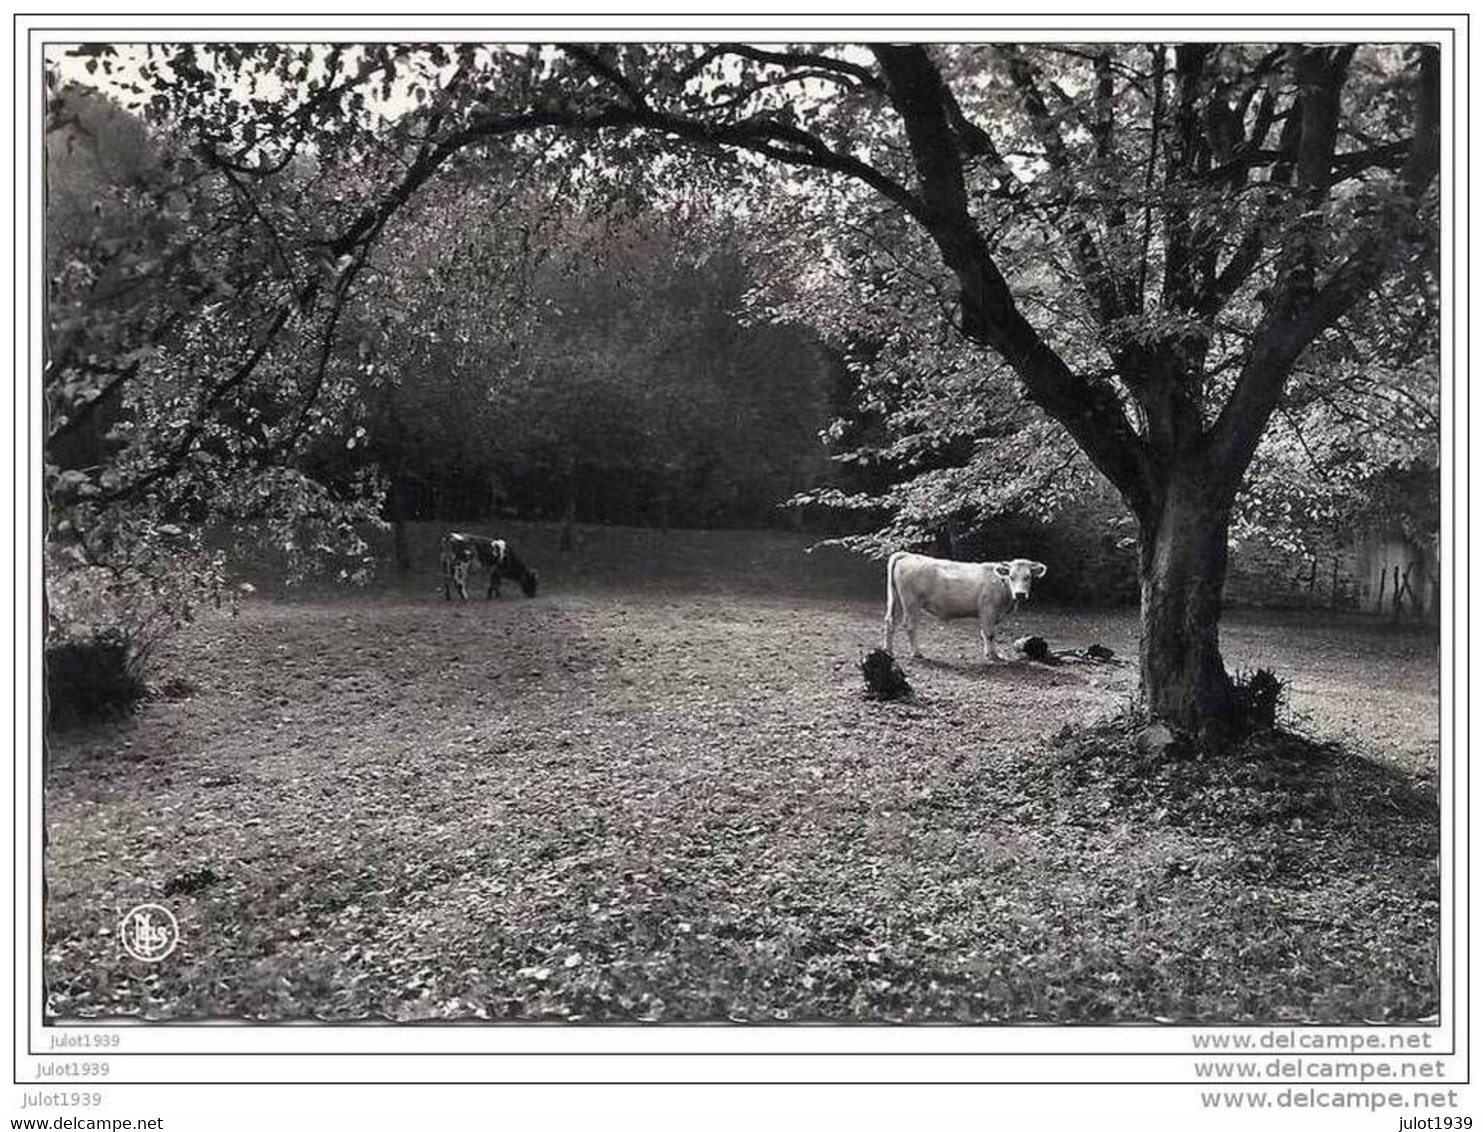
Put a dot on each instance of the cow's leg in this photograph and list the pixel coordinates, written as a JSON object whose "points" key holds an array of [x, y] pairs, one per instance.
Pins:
{"points": [[493, 590], [890, 634], [911, 634], [461, 576], [987, 631]]}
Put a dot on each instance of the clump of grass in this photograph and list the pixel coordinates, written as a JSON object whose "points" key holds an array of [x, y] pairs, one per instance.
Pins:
{"points": [[884, 679], [1260, 697]]}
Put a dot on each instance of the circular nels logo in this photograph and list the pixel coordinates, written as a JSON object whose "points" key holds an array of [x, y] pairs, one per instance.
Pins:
{"points": [[149, 933]]}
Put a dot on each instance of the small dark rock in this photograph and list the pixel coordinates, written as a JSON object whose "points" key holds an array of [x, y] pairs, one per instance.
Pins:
{"points": [[1154, 739], [191, 882], [176, 688]]}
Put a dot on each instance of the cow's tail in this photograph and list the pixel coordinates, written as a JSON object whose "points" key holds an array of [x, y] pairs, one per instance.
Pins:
{"points": [[894, 609]]}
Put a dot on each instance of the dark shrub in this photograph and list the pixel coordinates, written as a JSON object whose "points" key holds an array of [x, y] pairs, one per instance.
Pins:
{"points": [[91, 678], [884, 679]]}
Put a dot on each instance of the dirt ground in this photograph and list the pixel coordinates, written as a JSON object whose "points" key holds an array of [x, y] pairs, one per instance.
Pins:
{"points": [[655, 793]]}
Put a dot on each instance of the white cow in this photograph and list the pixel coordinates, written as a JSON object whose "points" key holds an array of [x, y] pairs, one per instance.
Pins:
{"points": [[948, 590]]}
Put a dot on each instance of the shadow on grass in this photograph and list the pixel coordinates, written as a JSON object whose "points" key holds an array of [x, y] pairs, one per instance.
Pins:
{"points": [[1015, 672], [1274, 780]]}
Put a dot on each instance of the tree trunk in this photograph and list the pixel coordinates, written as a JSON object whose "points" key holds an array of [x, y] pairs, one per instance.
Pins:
{"points": [[396, 506], [1182, 573], [399, 544], [396, 515], [569, 519]]}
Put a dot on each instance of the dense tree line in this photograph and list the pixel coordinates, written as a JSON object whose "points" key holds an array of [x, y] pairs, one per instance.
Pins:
{"points": [[524, 354]]}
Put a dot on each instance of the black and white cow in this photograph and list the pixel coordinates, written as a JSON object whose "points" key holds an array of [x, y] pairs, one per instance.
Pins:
{"points": [[459, 551]]}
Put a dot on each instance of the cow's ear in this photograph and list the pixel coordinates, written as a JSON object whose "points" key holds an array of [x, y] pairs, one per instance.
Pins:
{"points": [[1037, 569], [1002, 569]]}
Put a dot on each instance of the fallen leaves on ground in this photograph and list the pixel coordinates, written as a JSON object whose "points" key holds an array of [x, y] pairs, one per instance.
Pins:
{"points": [[622, 804]]}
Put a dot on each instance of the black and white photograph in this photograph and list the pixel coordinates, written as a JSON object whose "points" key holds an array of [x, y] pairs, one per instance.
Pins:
{"points": [[918, 535]]}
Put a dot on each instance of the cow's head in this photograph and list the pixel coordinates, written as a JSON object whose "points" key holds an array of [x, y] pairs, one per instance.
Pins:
{"points": [[1017, 574]]}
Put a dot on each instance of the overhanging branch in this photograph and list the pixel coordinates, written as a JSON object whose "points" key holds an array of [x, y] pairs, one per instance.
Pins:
{"points": [[1090, 411]]}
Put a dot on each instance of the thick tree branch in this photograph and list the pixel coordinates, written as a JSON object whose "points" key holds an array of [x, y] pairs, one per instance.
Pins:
{"points": [[1159, 64], [1090, 411], [1187, 160], [1253, 246], [767, 136], [1301, 311], [594, 60], [975, 142], [1353, 163], [1104, 132], [840, 68], [1095, 272]]}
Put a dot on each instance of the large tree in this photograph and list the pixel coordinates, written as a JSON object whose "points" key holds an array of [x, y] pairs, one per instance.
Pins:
{"points": [[1215, 211]]}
